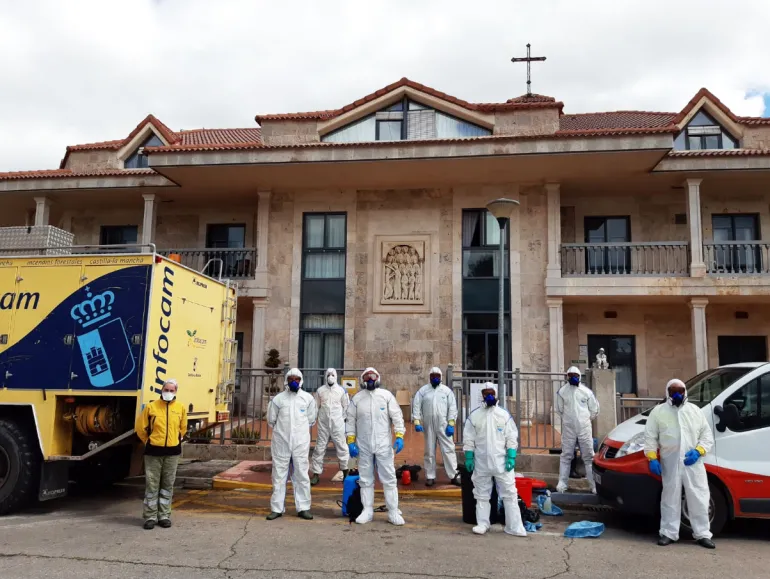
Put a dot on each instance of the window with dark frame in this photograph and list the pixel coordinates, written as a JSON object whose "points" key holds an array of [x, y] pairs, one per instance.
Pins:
{"points": [[703, 133], [229, 238], [406, 120], [322, 294], [481, 271], [753, 404], [730, 230], [137, 159], [118, 234], [600, 233]]}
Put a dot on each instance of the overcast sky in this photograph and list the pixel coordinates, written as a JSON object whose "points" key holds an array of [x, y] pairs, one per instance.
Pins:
{"points": [[78, 71]]}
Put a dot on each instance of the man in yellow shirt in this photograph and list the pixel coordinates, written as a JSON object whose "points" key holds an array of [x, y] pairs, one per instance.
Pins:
{"points": [[161, 427]]}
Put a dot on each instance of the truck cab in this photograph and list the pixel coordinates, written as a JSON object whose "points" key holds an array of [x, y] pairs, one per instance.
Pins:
{"points": [[735, 400]]}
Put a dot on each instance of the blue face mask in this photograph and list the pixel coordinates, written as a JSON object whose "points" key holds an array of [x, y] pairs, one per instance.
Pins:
{"points": [[490, 399], [371, 384], [677, 398], [574, 380], [435, 380], [293, 385]]}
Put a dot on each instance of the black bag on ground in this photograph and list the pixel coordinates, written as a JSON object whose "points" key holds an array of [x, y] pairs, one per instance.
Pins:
{"points": [[355, 507], [469, 502]]}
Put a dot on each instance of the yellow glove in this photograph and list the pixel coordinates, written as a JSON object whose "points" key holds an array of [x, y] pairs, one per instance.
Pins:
{"points": [[399, 435], [351, 438], [451, 423], [701, 450], [652, 455]]}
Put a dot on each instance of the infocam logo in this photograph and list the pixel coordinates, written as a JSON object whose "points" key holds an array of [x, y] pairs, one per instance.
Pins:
{"points": [[19, 301]]}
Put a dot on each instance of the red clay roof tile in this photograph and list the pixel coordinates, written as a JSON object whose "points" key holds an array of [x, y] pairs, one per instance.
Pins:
{"points": [[64, 173], [615, 120]]}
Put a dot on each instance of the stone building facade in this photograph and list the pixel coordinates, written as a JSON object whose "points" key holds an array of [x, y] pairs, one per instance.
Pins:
{"points": [[358, 236]]}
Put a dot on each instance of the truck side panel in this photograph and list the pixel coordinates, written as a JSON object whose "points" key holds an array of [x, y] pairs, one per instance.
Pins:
{"points": [[83, 341], [184, 338]]}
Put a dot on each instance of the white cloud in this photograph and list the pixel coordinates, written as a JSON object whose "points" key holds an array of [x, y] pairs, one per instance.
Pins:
{"points": [[89, 70]]}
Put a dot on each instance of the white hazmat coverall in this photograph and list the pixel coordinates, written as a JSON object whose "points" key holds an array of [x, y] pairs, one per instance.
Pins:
{"points": [[489, 431], [333, 405], [290, 415], [434, 407], [672, 431], [370, 415], [577, 407]]}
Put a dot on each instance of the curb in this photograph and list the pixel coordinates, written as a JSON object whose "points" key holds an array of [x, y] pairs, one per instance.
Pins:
{"points": [[227, 484]]}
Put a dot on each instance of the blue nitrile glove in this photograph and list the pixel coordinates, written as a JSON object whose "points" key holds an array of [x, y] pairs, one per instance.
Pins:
{"points": [[353, 448], [450, 430], [691, 457], [418, 427], [510, 459], [399, 444], [470, 461], [655, 467]]}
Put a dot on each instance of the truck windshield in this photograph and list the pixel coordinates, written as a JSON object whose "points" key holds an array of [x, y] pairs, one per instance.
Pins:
{"points": [[706, 386]]}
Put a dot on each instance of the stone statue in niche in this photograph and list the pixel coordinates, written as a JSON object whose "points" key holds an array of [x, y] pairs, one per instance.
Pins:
{"points": [[403, 273], [601, 361]]}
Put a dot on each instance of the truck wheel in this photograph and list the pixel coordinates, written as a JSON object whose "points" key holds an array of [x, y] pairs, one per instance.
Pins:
{"points": [[19, 467], [718, 511]]}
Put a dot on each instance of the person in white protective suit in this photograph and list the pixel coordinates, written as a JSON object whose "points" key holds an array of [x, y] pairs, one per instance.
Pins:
{"points": [[434, 412], [370, 415], [333, 403], [291, 414], [577, 406], [490, 441], [676, 437]]}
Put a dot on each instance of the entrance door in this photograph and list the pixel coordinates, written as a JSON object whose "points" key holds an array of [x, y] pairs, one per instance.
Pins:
{"points": [[737, 349], [228, 239], [621, 356]]}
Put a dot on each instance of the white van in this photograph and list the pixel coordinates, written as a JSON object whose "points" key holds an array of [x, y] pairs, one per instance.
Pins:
{"points": [[736, 402]]}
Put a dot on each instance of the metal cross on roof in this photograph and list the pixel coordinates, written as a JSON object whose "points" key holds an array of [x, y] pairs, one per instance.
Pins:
{"points": [[529, 59]]}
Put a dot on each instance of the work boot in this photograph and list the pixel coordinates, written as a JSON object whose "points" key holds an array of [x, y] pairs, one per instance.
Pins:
{"points": [[430, 482], [149, 524], [272, 516], [664, 541], [456, 480], [315, 479], [307, 515], [165, 523], [479, 529], [707, 543]]}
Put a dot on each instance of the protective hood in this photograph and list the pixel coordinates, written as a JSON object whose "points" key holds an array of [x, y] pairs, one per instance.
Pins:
{"points": [[435, 370], [368, 371], [574, 370], [293, 372], [331, 372], [675, 382]]}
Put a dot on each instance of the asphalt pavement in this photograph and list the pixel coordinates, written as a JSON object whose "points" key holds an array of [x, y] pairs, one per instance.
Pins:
{"points": [[223, 534]]}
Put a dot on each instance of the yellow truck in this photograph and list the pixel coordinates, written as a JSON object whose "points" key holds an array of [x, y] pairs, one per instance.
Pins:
{"points": [[86, 340]]}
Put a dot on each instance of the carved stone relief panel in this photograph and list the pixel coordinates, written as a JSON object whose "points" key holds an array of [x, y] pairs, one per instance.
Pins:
{"points": [[402, 271]]}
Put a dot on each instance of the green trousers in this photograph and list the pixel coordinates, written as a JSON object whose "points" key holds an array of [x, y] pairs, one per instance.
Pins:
{"points": [[159, 475]]}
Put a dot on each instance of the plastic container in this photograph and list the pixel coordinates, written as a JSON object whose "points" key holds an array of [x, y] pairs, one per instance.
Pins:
{"points": [[524, 489], [348, 486], [469, 501]]}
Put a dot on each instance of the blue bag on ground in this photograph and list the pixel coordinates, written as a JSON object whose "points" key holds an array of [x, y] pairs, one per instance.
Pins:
{"points": [[531, 527], [348, 486], [584, 530], [554, 512]]}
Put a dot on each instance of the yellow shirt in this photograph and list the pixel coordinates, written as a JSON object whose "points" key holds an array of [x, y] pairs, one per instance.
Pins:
{"points": [[161, 426]]}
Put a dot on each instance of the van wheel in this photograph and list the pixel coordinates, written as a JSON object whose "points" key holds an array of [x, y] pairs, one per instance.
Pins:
{"points": [[718, 511], [19, 467]]}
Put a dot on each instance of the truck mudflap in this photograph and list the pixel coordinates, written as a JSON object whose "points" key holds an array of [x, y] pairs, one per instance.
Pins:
{"points": [[54, 480]]}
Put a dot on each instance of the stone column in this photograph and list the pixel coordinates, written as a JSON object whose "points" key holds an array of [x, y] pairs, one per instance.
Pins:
{"points": [[697, 265], [556, 326], [42, 210], [699, 335], [263, 224], [603, 385], [258, 333], [554, 230], [149, 220]]}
